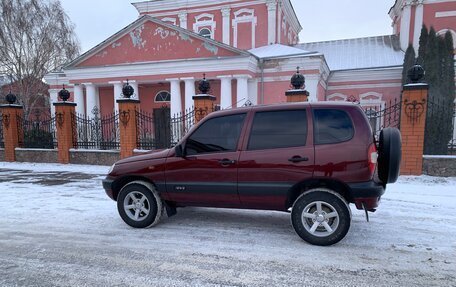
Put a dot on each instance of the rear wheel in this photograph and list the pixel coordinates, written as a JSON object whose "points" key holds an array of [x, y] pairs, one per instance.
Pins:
{"points": [[389, 155], [321, 217], [139, 205]]}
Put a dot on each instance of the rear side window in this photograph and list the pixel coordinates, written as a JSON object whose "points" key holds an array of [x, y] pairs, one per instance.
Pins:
{"points": [[332, 126], [278, 129], [216, 135]]}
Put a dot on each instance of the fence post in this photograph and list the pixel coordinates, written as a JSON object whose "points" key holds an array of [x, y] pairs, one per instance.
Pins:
{"points": [[11, 132], [128, 126], [296, 96], [204, 105], [64, 120], [413, 122], [298, 93]]}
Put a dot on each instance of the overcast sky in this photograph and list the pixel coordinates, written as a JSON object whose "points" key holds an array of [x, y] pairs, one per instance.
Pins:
{"points": [[321, 19]]}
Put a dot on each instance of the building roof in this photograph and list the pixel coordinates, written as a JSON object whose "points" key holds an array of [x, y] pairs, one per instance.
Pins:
{"points": [[360, 53], [137, 23], [276, 51]]}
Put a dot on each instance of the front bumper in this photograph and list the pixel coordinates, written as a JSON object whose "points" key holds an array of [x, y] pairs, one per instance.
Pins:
{"points": [[107, 185], [366, 195]]}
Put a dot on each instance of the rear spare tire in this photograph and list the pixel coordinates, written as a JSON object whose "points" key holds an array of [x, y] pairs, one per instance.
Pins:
{"points": [[389, 155]]}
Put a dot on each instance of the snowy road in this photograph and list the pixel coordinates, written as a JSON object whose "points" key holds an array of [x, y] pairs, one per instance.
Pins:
{"points": [[58, 228]]}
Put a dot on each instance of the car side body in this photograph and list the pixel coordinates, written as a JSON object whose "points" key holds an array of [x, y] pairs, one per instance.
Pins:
{"points": [[262, 157]]}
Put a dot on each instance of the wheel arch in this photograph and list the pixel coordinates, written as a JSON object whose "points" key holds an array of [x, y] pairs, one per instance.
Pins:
{"points": [[305, 185], [119, 183]]}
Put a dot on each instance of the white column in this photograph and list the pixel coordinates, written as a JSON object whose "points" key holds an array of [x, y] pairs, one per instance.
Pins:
{"points": [[405, 26], [91, 98], [242, 89], [272, 21], [79, 99], [225, 92], [189, 92], [97, 98], [176, 100], [419, 14], [279, 22], [183, 19], [53, 98], [226, 19], [117, 93], [253, 91], [312, 87]]}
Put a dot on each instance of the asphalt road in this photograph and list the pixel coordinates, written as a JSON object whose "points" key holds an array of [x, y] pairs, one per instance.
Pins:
{"points": [[60, 229]]}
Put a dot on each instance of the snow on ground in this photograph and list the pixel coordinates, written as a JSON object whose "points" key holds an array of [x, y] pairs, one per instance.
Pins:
{"points": [[58, 228]]}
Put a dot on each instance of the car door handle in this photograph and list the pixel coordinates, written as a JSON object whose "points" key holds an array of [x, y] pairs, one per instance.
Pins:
{"points": [[297, 159], [226, 161]]}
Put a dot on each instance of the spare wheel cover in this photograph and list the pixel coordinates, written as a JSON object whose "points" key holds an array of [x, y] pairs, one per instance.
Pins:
{"points": [[389, 155]]}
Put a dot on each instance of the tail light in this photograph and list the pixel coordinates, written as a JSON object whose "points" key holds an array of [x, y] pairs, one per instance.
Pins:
{"points": [[372, 156]]}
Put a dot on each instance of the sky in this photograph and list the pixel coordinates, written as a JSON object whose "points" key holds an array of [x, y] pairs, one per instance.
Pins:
{"points": [[322, 20]]}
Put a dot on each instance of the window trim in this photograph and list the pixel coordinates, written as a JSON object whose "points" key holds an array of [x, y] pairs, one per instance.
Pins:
{"points": [[203, 21], [249, 17]]}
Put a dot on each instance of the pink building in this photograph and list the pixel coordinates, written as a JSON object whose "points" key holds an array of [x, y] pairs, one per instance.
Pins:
{"points": [[248, 49]]}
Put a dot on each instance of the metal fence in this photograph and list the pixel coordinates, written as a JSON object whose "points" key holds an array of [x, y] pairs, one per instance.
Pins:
{"points": [[383, 116], [440, 133], [95, 131], [181, 123], [153, 129], [38, 131]]}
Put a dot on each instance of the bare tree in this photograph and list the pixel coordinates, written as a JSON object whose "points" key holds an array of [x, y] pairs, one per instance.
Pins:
{"points": [[36, 37]]}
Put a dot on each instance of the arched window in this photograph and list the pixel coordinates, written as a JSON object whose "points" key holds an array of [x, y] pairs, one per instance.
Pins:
{"points": [[206, 33], [206, 24], [163, 96]]}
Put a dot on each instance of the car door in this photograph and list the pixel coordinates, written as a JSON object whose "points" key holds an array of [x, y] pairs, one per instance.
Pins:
{"points": [[277, 154], [207, 173]]}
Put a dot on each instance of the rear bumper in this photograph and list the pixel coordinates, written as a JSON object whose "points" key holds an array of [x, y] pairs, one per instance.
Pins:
{"points": [[366, 195], [107, 185]]}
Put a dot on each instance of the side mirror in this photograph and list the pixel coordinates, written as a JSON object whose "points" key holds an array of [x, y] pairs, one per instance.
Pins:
{"points": [[179, 151]]}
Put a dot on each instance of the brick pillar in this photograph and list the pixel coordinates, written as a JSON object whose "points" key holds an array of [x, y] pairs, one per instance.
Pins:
{"points": [[295, 96], [65, 124], [204, 105], [413, 122], [11, 132], [128, 126]]}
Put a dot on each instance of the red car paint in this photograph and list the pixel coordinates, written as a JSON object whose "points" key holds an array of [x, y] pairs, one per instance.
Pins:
{"points": [[260, 179]]}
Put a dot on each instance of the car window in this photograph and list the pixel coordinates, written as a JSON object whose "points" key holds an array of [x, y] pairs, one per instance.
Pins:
{"points": [[332, 126], [216, 135], [278, 129]]}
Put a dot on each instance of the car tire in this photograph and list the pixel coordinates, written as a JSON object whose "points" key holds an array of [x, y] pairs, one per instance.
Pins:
{"points": [[139, 205], [389, 155], [321, 217]]}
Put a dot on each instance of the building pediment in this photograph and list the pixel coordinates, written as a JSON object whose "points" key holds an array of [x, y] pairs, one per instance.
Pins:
{"points": [[151, 40]]}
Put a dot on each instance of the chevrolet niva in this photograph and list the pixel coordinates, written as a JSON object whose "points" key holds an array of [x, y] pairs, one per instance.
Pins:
{"points": [[309, 159]]}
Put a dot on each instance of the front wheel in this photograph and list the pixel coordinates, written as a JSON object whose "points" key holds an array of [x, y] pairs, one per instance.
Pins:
{"points": [[139, 205], [321, 217]]}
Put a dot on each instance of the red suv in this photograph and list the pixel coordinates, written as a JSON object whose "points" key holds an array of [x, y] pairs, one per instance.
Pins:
{"points": [[310, 159]]}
